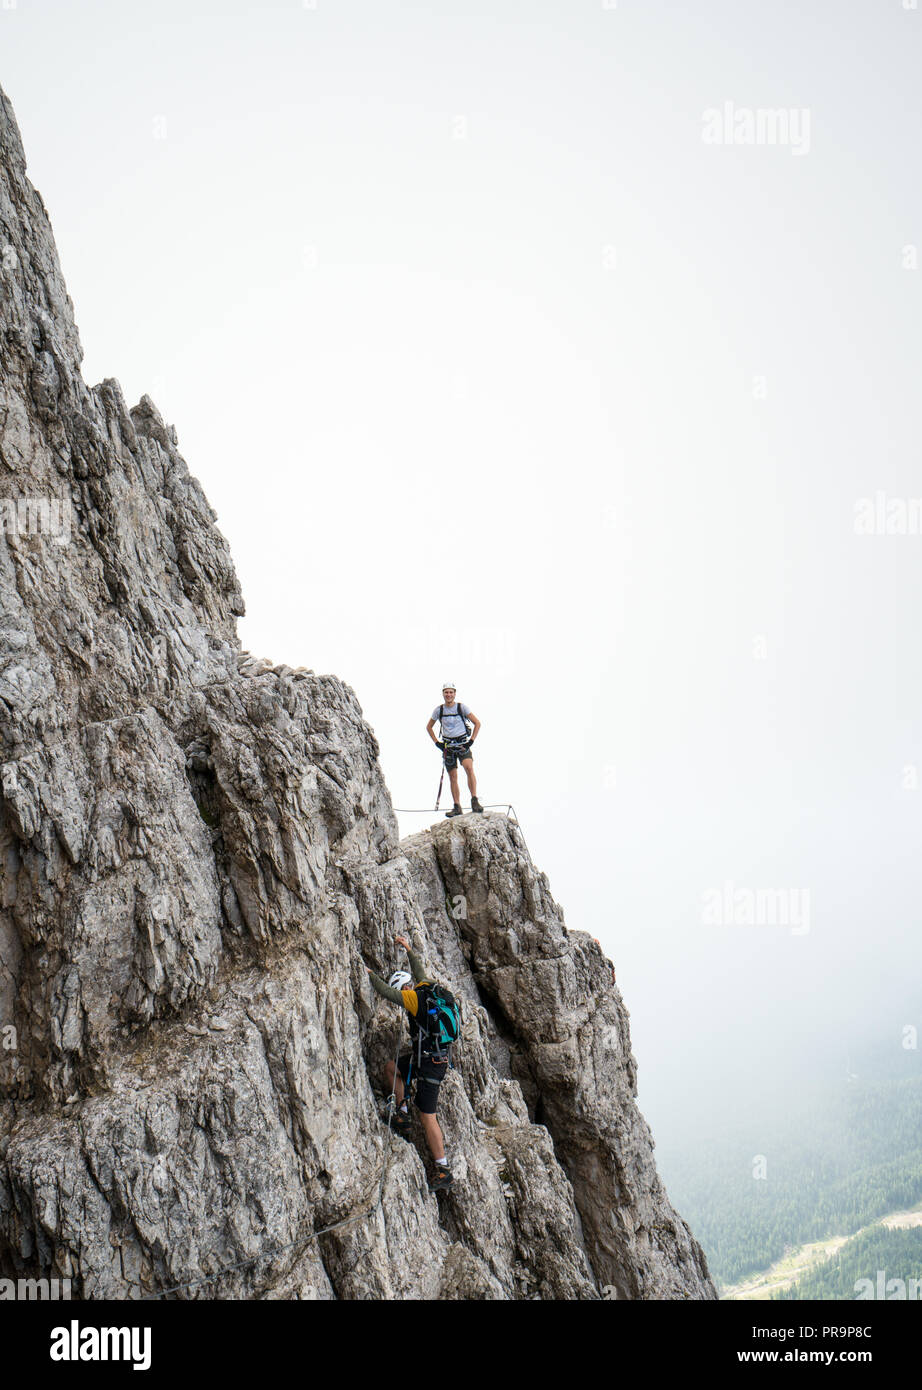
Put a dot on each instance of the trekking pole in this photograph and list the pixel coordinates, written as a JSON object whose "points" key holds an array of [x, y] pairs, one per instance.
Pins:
{"points": [[441, 780]]}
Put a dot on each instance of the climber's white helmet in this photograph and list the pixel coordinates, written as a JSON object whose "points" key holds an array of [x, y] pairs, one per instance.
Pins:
{"points": [[448, 685], [400, 980]]}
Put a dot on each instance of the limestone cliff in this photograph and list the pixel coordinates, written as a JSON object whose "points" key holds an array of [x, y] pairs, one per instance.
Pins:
{"points": [[199, 855]]}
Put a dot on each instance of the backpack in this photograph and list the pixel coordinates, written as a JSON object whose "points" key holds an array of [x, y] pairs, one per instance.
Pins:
{"points": [[438, 1020], [454, 738]]}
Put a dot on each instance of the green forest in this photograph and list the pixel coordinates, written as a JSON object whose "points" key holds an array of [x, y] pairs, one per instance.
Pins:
{"points": [[828, 1171], [890, 1261]]}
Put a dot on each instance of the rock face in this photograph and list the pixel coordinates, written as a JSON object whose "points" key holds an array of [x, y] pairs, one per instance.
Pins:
{"points": [[199, 855]]}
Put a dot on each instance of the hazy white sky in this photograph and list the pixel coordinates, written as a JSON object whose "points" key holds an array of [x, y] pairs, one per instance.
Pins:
{"points": [[497, 368]]}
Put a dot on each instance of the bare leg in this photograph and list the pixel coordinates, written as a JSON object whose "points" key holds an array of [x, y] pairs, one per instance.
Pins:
{"points": [[468, 766], [395, 1081], [433, 1135], [453, 783]]}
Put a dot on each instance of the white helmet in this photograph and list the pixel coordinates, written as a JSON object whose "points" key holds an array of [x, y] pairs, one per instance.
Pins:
{"points": [[400, 979], [448, 685]]}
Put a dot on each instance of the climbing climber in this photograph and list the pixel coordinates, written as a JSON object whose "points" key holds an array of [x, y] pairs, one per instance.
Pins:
{"points": [[435, 1022], [456, 740]]}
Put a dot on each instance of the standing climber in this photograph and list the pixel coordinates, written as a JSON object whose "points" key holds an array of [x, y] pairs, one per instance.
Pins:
{"points": [[435, 1022], [456, 742]]}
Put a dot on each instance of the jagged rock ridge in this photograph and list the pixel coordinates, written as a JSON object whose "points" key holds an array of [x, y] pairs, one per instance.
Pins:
{"points": [[199, 853]]}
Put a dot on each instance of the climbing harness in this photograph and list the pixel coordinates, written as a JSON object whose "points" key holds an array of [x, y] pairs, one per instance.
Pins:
{"points": [[455, 745]]}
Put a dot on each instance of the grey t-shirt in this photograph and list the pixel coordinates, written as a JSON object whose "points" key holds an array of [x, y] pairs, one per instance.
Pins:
{"points": [[453, 726]]}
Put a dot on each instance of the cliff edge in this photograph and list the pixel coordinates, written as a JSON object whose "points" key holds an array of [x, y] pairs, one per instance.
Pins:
{"points": [[199, 854]]}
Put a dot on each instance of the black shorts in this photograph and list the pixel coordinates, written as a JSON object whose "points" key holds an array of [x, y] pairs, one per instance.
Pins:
{"points": [[457, 754], [428, 1079]]}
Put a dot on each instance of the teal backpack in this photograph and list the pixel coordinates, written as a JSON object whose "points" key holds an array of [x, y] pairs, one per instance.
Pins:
{"points": [[438, 1020]]}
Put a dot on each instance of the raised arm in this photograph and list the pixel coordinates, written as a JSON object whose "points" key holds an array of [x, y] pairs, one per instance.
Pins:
{"points": [[417, 964]]}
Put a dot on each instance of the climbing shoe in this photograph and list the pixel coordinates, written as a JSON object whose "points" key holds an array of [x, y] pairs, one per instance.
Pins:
{"points": [[455, 811], [401, 1123], [397, 1121], [441, 1181], [475, 804]]}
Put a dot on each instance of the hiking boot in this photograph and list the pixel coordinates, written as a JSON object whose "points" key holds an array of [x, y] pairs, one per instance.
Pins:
{"points": [[475, 804], [397, 1121], [455, 811], [441, 1181], [401, 1123]]}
